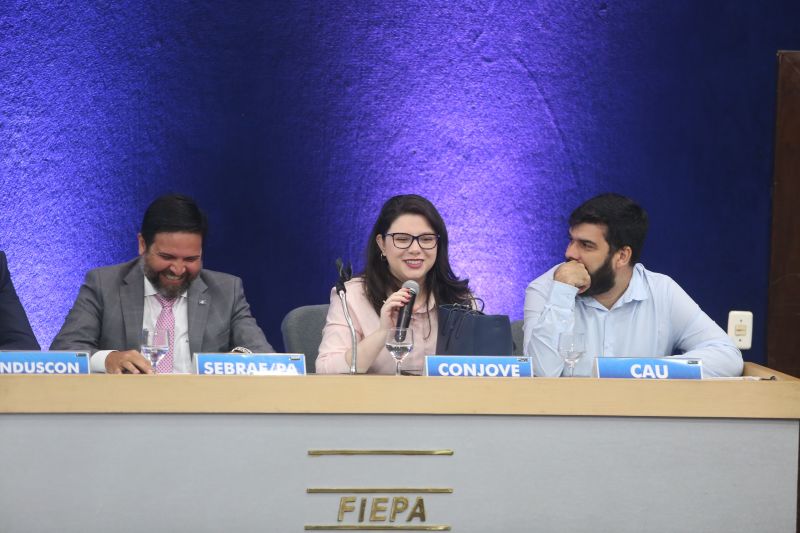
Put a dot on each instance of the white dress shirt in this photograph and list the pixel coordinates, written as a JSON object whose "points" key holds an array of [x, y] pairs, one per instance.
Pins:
{"points": [[181, 355], [654, 317]]}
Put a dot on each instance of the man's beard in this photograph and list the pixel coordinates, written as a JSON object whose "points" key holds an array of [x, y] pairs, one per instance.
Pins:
{"points": [[602, 278], [171, 291]]}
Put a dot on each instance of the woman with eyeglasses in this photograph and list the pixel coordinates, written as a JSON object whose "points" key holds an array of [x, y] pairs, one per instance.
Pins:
{"points": [[408, 242]]}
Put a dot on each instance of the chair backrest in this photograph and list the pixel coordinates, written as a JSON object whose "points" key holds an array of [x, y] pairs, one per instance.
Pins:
{"points": [[302, 332], [518, 336]]}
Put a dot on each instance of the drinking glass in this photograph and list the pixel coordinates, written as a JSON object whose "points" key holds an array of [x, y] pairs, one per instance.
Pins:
{"points": [[399, 342], [571, 347], [155, 345]]}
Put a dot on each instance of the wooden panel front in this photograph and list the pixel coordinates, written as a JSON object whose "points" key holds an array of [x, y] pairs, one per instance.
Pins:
{"points": [[783, 319], [378, 395]]}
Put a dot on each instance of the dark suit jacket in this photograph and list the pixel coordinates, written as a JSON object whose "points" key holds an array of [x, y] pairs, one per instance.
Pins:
{"points": [[15, 330], [108, 313]]}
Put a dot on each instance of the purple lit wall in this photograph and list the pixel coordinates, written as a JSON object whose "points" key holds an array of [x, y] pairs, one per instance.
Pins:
{"points": [[291, 123]]}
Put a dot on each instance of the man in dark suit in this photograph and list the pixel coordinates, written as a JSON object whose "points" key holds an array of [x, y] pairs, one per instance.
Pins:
{"points": [[15, 330], [165, 287]]}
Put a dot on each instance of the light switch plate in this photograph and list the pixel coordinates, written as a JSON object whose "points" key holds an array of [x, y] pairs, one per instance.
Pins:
{"points": [[740, 328]]}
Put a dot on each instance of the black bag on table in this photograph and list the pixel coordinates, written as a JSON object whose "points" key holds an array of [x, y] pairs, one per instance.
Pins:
{"points": [[467, 331]]}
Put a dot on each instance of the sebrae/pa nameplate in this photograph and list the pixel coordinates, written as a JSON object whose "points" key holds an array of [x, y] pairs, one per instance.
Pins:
{"points": [[255, 364]]}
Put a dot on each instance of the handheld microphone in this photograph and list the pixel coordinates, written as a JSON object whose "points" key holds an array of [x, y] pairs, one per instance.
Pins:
{"points": [[404, 313]]}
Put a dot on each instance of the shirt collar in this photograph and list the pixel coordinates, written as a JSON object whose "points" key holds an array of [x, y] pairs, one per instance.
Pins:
{"points": [[149, 290], [431, 306], [637, 288]]}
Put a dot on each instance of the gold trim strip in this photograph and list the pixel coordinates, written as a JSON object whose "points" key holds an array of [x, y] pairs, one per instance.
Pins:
{"points": [[377, 528], [390, 490], [317, 453]]}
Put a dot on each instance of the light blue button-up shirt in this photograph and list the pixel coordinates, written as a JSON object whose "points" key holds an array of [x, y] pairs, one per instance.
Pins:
{"points": [[654, 317]]}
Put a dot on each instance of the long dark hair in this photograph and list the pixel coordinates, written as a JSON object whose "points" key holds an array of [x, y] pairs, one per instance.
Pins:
{"points": [[440, 281]]}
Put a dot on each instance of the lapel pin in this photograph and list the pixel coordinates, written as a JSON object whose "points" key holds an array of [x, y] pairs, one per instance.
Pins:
{"points": [[202, 302]]}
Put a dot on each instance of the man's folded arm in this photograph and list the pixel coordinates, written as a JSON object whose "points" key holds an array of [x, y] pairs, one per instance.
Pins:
{"points": [[700, 337], [81, 329], [245, 331], [15, 329]]}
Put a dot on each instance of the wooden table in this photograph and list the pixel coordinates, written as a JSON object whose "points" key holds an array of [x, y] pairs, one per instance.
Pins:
{"points": [[229, 453]]}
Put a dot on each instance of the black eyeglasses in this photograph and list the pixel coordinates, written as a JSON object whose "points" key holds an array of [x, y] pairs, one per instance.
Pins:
{"points": [[426, 241]]}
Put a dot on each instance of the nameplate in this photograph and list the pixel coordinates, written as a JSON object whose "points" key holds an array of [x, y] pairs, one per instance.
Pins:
{"points": [[478, 366], [44, 363], [648, 368], [256, 364]]}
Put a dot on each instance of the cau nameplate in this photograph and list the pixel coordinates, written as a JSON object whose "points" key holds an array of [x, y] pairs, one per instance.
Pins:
{"points": [[648, 368]]}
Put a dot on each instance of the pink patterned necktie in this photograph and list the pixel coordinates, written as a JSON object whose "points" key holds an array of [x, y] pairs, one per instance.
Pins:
{"points": [[166, 320]]}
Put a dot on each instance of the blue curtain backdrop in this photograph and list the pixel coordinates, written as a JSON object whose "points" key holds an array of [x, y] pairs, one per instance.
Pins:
{"points": [[292, 122]]}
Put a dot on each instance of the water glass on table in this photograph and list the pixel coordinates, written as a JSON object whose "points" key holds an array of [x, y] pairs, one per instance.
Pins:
{"points": [[571, 347], [155, 345], [399, 342]]}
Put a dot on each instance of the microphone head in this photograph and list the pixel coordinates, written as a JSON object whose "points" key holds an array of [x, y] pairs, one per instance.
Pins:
{"points": [[411, 285], [345, 271]]}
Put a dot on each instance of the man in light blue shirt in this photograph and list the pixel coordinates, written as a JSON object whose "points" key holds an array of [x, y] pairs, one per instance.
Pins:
{"points": [[623, 309]]}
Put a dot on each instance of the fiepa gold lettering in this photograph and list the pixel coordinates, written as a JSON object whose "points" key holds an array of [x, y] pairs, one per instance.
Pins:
{"points": [[399, 505], [362, 508], [346, 506], [380, 509], [378, 506], [418, 511]]}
